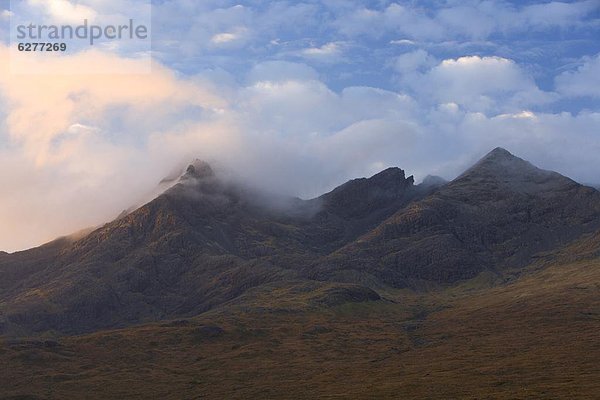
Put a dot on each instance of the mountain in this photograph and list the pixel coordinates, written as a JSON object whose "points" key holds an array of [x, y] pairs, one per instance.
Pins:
{"points": [[533, 336], [201, 243], [205, 242], [482, 287], [499, 214]]}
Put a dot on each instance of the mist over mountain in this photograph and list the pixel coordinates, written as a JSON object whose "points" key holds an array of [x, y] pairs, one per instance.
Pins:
{"points": [[214, 273], [206, 241]]}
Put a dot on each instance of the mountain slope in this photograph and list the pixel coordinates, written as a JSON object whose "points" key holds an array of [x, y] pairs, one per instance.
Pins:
{"points": [[206, 242], [500, 213], [535, 337], [200, 244]]}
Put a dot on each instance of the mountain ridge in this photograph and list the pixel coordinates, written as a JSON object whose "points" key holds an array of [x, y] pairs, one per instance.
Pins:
{"points": [[205, 242], [475, 223]]}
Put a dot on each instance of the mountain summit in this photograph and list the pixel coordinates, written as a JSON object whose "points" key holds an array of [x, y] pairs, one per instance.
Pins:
{"points": [[205, 242], [497, 215], [500, 167], [198, 170], [359, 197]]}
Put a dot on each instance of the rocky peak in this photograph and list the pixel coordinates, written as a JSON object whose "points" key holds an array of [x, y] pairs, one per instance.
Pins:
{"points": [[362, 196], [198, 181], [502, 161], [389, 181], [198, 170], [500, 153], [500, 167], [391, 176]]}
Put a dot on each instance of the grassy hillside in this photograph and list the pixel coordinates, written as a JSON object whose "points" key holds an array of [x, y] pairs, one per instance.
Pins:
{"points": [[533, 337]]}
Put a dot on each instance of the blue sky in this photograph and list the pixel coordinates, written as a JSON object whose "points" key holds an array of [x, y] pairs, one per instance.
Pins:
{"points": [[292, 96], [357, 44]]}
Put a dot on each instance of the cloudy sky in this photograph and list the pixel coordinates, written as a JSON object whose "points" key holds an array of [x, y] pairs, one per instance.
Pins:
{"points": [[294, 96]]}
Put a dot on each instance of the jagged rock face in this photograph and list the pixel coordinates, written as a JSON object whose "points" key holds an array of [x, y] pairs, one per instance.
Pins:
{"points": [[358, 206], [361, 197], [498, 214], [198, 170], [204, 242], [201, 243]]}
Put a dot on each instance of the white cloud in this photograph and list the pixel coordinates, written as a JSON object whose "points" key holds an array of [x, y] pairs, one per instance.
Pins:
{"points": [[238, 34], [483, 84], [224, 38], [520, 115], [325, 50], [450, 108], [557, 13], [583, 82], [413, 61], [403, 42], [395, 18], [64, 11], [482, 20], [329, 52], [474, 20]]}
